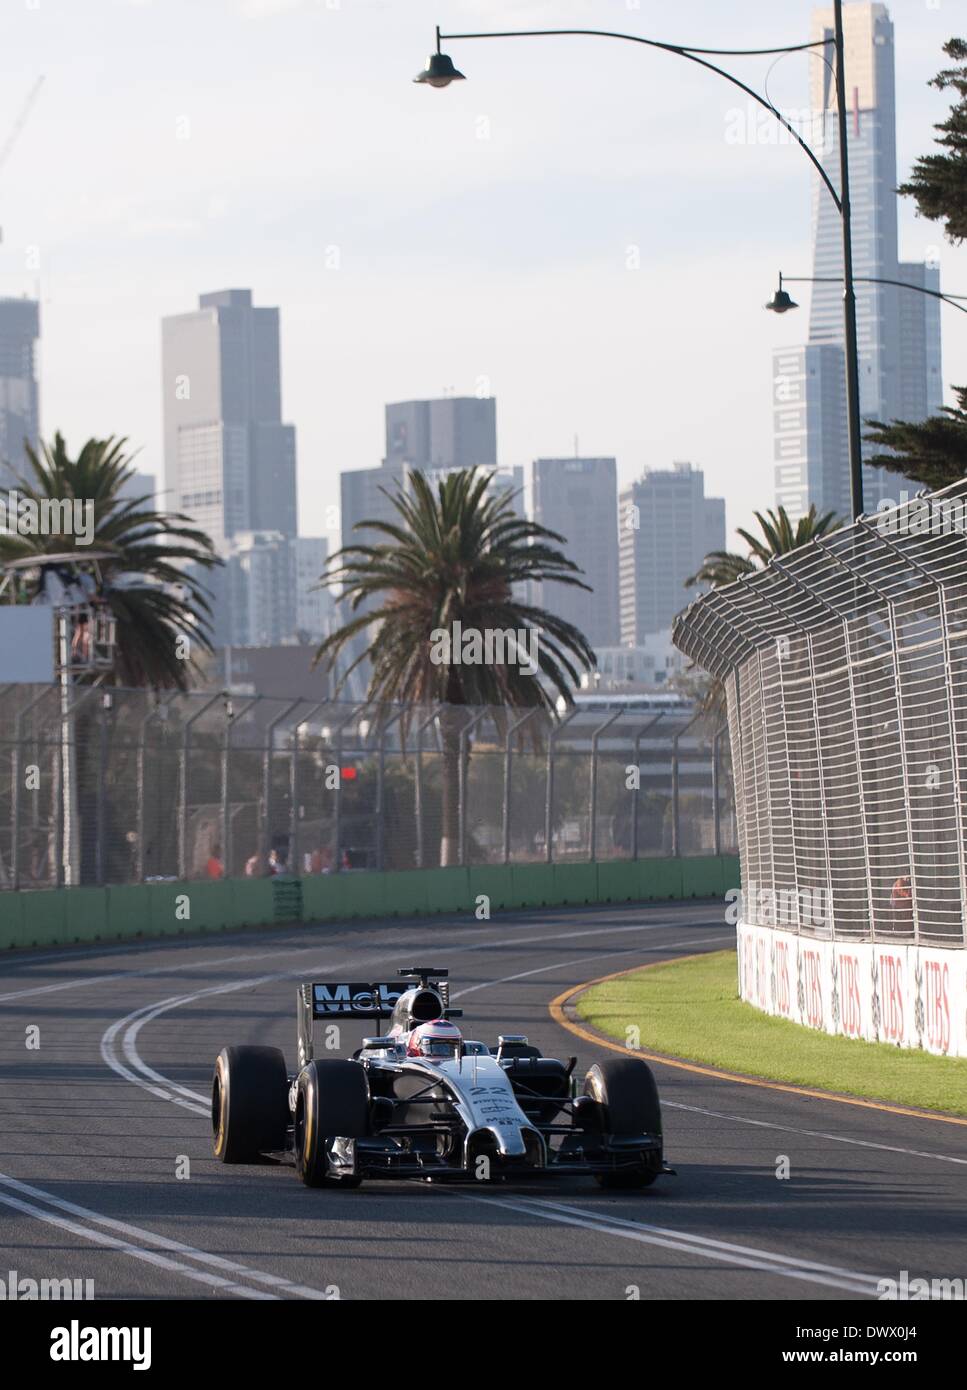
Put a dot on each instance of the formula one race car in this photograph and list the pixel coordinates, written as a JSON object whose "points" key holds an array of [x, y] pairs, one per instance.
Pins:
{"points": [[420, 1101]]}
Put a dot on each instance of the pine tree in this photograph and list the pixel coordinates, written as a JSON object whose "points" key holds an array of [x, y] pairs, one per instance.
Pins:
{"points": [[939, 181], [932, 452]]}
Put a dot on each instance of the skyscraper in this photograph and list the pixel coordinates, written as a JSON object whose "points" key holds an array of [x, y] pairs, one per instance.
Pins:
{"points": [[261, 595], [313, 606], [229, 459], [809, 419], [452, 432], [578, 498], [19, 394], [666, 528], [433, 436], [365, 496], [898, 330]]}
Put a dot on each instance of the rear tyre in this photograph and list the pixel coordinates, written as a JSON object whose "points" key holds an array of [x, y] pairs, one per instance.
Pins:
{"points": [[332, 1102], [627, 1103], [250, 1103]]}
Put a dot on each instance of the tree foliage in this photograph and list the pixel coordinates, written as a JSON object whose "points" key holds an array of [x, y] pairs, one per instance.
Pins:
{"points": [[159, 608], [938, 183]]}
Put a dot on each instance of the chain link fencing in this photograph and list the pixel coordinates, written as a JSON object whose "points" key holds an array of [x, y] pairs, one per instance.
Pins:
{"points": [[845, 667], [106, 786]]}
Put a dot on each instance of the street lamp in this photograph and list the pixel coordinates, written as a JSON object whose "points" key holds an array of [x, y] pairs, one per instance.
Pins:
{"points": [[440, 72], [780, 302]]}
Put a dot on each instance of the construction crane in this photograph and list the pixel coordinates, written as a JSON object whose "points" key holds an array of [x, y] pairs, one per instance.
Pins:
{"points": [[18, 125]]}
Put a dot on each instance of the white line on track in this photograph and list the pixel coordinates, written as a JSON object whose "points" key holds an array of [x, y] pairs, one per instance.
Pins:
{"points": [[813, 1133], [560, 964], [81, 981], [134, 1240], [743, 1256]]}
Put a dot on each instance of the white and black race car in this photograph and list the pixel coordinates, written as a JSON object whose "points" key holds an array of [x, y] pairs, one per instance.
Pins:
{"points": [[420, 1101]]}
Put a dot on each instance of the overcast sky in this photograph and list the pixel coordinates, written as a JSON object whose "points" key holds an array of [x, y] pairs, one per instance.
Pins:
{"points": [[417, 240]]}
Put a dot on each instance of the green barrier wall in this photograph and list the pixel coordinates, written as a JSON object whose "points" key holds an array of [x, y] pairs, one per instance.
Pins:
{"points": [[66, 915]]}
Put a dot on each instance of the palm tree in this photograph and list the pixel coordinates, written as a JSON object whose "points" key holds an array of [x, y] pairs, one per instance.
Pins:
{"points": [[454, 556], [161, 610], [779, 536]]}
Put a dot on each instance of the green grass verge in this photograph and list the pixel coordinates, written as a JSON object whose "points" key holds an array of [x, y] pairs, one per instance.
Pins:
{"points": [[691, 1009]]}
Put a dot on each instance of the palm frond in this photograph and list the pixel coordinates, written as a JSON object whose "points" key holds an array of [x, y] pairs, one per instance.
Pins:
{"points": [[158, 603], [454, 552]]}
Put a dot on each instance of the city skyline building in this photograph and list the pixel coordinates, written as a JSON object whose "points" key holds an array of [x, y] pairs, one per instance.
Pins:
{"points": [[230, 461], [443, 433], [19, 385], [666, 528], [313, 606], [433, 436], [898, 330], [578, 498], [264, 594]]}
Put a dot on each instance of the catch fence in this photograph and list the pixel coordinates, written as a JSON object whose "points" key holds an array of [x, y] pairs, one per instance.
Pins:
{"points": [[845, 668], [107, 786]]}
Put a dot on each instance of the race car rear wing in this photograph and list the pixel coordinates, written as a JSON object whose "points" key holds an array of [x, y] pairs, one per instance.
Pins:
{"points": [[347, 999]]}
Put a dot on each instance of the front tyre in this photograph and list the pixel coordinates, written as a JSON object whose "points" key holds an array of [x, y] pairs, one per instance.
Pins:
{"points": [[332, 1102], [628, 1105], [250, 1103]]}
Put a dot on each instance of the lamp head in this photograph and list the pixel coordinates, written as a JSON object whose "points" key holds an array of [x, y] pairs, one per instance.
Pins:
{"points": [[781, 302], [439, 71]]}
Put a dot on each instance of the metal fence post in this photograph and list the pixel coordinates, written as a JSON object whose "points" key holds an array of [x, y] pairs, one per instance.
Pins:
{"points": [[676, 797], [549, 786], [383, 726], [418, 786], [593, 790], [70, 846], [823, 802], [336, 865], [267, 762], [512, 731], [462, 769], [16, 776], [716, 807], [139, 796], [226, 811], [295, 784], [230, 720], [955, 767], [107, 705], [183, 784], [652, 723]]}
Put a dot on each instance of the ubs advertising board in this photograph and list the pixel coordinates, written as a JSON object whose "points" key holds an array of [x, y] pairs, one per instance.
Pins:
{"points": [[911, 996]]}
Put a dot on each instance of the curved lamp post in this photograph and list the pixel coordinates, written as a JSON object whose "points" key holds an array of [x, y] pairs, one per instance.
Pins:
{"points": [[440, 71], [781, 303]]}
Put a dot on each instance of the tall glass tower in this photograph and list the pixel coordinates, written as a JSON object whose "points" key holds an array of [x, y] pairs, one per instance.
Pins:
{"points": [[898, 330]]}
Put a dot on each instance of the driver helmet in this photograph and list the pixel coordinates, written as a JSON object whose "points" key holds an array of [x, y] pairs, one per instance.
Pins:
{"points": [[436, 1039]]}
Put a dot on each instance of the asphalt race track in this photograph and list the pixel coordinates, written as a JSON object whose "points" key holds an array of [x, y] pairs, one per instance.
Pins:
{"points": [[96, 1121]]}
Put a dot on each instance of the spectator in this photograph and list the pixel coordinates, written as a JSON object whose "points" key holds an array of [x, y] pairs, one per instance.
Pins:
{"points": [[901, 901], [214, 868], [255, 866]]}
